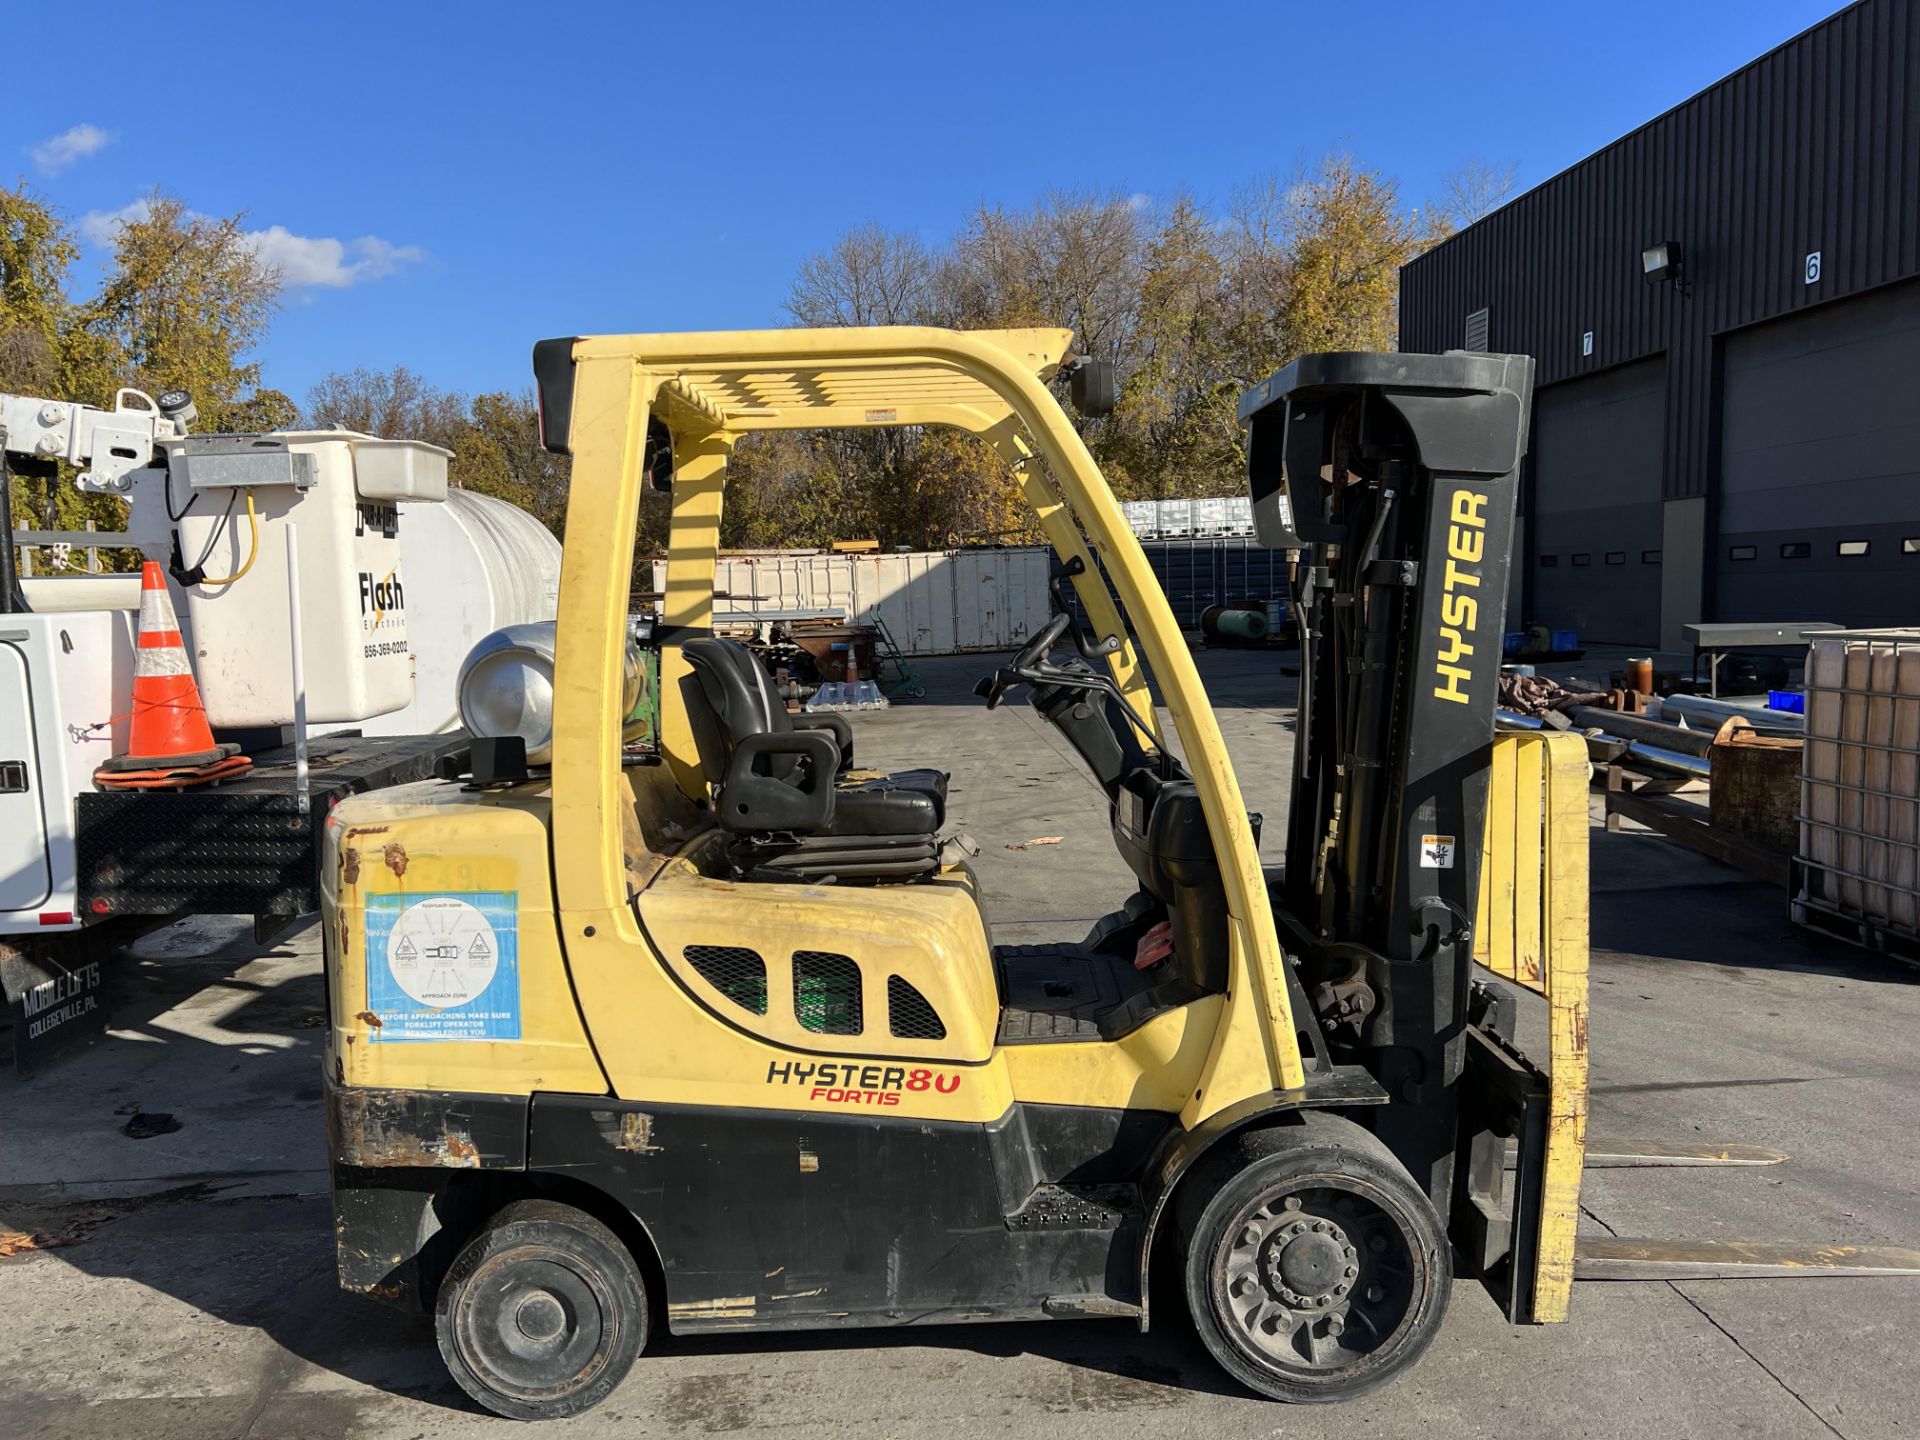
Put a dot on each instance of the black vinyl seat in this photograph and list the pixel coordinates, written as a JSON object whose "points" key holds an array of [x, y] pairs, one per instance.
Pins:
{"points": [[780, 780]]}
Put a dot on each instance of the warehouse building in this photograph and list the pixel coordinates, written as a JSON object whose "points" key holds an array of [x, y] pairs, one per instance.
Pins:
{"points": [[1725, 310]]}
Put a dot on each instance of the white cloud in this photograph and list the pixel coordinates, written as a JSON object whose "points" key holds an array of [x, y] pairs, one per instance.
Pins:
{"points": [[101, 226], [1139, 201], [320, 260], [58, 152], [303, 260]]}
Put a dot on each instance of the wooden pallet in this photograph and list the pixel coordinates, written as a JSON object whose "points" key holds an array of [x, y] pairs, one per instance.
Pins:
{"points": [[1631, 798]]}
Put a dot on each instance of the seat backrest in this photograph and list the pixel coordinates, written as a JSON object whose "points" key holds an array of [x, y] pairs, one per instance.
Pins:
{"points": [[1162, 835], [731, 698]]}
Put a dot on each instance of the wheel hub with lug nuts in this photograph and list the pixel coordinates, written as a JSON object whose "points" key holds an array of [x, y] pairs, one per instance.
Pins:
{"points": [[1310, 1263]]}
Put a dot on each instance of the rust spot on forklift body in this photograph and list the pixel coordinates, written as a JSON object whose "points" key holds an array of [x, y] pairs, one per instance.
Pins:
{"points": [[369, 1019], [389, 1290], [350, 864], [631, 1133], [395, 857], [381, 1129]]}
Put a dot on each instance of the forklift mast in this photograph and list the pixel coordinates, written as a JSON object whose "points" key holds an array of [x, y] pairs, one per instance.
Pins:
{"points": [[1395, 475]]}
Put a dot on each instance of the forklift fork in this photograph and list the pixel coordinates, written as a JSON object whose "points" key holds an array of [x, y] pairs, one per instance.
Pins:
{"points": [[1516, 1212]]}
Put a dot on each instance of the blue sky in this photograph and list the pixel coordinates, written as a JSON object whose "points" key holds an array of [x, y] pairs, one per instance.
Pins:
{"points": [[448, 183]]}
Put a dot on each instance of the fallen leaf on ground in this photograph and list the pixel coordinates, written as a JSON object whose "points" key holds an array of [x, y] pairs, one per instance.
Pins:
{"points": [[78, 1227], [70, 1224]]}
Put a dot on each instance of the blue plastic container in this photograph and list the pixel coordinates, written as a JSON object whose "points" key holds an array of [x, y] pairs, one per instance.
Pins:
{"points": [[1564, 640], [1513, 642], [1791, 701]]}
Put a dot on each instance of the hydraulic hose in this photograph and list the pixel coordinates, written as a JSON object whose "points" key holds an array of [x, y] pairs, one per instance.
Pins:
{"points": [[253, 549]]}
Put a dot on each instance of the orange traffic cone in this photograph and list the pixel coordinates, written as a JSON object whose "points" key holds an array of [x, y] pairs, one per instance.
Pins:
{"points": [[169, 741]]}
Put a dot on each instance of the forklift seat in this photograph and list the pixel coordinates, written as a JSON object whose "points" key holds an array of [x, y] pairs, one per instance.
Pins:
{"points": [[733, 707]]}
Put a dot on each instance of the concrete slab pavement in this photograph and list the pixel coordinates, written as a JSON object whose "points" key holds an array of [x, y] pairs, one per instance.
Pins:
{"points": [[199, 1298]]}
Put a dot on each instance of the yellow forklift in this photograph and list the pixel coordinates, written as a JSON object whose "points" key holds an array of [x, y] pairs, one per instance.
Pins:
{"points": [[709, 1032]]}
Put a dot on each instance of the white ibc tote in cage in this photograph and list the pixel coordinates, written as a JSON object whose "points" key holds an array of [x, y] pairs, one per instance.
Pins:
{"points": [[1859, 853]]}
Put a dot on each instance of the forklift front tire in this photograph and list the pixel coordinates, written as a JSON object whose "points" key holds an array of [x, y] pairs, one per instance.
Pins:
{"points": [[543, 1312], [1316, 1269]]}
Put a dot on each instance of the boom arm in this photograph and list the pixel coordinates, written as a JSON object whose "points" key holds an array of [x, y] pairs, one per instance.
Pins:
{"points": [[107, 445]]}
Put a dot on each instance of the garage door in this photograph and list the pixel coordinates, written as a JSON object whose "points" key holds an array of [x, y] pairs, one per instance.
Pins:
{"points": [[1820, 468], [1595, 525]]}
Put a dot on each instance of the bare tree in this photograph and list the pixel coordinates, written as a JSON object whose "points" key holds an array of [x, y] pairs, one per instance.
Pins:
{"points": [[1073, 260], [1473, 192], [869, 276], [396, 404]]}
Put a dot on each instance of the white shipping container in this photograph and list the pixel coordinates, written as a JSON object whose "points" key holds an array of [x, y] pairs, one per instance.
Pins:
{"points": [[957, 601], [1176, 518], [935, 602], [1143, 516], [1240, 515]]}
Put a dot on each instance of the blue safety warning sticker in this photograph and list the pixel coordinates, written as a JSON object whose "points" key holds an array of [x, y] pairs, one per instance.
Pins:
{"points": [[444, 967]]}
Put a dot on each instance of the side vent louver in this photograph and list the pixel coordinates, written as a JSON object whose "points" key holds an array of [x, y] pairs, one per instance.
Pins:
{"points": [[740, 975], [909, 1016], [826, 993]]}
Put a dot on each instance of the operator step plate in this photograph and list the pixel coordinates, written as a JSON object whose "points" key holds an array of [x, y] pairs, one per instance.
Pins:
{"points": [[1077, 1207]]}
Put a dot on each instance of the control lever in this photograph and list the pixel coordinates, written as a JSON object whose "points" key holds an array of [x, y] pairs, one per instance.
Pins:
{"points": [[1089, 648]]}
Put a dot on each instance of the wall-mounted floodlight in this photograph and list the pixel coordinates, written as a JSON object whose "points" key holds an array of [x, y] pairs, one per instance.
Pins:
{"points": [[1661, 261]]}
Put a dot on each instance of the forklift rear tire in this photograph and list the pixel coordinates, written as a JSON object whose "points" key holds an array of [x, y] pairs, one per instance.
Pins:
{"points": [[1316, 1269], [543, 1312]]}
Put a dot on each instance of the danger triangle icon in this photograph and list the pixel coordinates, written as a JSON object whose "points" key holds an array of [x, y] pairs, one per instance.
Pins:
{"points": [[479, 950], [405, 950]]}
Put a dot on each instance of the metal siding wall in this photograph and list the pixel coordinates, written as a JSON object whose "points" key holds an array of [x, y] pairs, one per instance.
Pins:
{"points": [[1194, 574], [1813, 146]]}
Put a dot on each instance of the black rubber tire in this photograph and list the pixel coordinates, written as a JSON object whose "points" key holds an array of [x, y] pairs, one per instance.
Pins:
{"points": [[1324, 1155], [543, 1312]]}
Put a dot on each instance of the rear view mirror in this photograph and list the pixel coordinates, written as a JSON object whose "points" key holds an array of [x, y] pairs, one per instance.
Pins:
{"points": [[1094, 386]]}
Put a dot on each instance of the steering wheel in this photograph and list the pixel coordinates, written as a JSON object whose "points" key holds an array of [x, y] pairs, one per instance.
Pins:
{"points": [[1026, 661]]}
